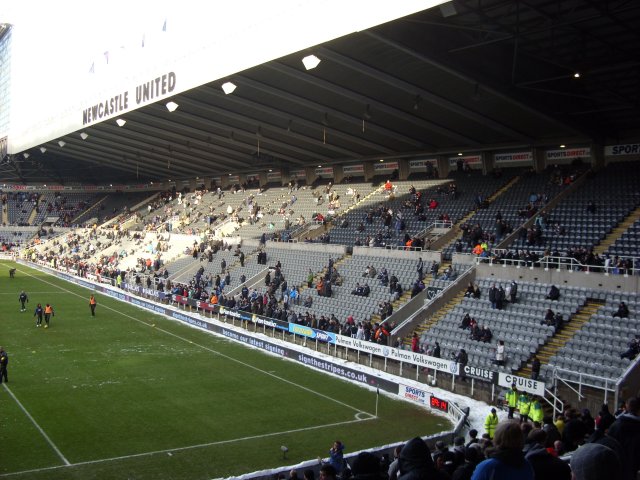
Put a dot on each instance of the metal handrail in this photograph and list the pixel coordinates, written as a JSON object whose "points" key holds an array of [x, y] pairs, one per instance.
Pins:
{"points": [[436, 224], [558, 404], [557, 263]]}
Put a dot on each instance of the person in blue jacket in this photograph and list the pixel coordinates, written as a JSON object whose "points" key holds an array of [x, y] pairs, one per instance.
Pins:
{"points": [[336, 456], [507, 461]]}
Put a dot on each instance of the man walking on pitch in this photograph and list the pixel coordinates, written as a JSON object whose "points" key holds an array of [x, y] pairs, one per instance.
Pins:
{"points": [[4, 361], [92, 305], [48, 313], [23, 299], [38, 314]]}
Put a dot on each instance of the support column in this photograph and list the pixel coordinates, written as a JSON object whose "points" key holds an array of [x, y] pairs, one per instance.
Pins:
{"points": [[488, 164], [443, 166], [539, 159], [403, 169], [310, 172], [597, 156], [338, 174], [369, 172], [285, 176], [242, 179], [262, 179]]}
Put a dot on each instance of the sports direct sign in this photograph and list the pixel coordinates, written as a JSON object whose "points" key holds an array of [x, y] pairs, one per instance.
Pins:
{"points": [[627, 149], [515, 157], [568, 153], [414, 394]]}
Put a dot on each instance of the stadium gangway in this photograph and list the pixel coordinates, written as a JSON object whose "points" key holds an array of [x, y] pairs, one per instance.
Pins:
{"points": [[437, 224]]}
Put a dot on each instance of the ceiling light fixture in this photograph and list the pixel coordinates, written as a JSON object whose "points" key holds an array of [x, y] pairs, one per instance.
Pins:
{"points": [[61, 143], [84, 136], [382, 159], [310, 62], [319, 166], [172, 106], [26, 154], [459, 154], [562, 146], [42, 149], [121, 122], [576, 75], [228, 87]]}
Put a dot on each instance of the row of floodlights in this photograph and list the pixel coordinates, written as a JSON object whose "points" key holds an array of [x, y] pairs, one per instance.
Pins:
{"points": [[310, 62]]}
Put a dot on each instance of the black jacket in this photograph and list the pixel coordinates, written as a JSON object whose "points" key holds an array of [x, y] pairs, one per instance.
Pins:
{"points": [[626, 430], [545, 465], [416, 464]]}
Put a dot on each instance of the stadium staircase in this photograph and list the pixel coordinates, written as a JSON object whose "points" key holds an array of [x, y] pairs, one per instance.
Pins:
{"points": [[33, 215], [90, 209], [617, 232], [303, 287], [186, 274], [446, 240], [404, 298], [563, 335], [435, 318], [311, 234]]}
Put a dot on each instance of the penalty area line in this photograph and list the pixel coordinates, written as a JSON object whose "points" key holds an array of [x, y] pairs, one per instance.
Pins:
{"points": [[189, 447], [38, 427]]}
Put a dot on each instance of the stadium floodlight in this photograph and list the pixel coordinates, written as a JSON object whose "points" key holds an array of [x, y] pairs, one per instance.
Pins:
{"points": [[310, 62], [42, 149], [228, 87], [84, 135], [172, 106], [62, 143], [121, 122]]}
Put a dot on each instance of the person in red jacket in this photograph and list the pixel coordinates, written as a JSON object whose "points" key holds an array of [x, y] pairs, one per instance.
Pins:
{"points": [[415, 345]]}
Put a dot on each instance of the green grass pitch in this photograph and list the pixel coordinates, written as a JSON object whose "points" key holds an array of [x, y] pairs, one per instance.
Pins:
{"points": [[132, 395]]}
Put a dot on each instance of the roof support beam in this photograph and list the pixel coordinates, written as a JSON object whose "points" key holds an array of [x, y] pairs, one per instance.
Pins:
{"points": [[220, 112], [189, 118], [425, 124], [461, 75], [424, 94], [321, 109], [158, 139], [294, 118]]}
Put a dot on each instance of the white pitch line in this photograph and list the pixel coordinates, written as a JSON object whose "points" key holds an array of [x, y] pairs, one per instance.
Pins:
{"points": [[38, 427], [28, 293], [189, 447]]}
